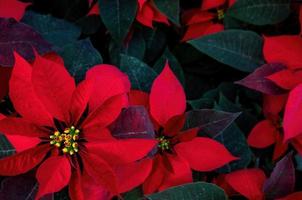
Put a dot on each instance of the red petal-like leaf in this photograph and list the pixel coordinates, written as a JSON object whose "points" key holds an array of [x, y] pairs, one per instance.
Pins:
{"points": [[53, 175], [22, 127], [284, 49], [23, 162], [109, 82], [95, 133], [204, 154], [156, 176], [257, 80], [201, 29], [282, 179], [286, 79], [280, 147], [119, 152], [54, 87], [80, 98], [209, 4], [181, 173], [167, 98], [23, 95], [273, 105], [100, 171], [105, 114], [293, 112], [145, 15], [21, 143], [12, 8], [196, 16], [139, 98], [21, 38], [174, 125], [263, 134], [133, 174], [248, 182]]}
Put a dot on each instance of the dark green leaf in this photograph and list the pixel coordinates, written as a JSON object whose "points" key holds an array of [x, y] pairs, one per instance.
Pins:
{"points": [[155, 43], [260, 12], [118, 15], [174, 65], [191, 191], [236, 48], [233, 139], [79, 57], [134, 194], [136, 47], [56, 31], [140, 74], [169, 8], [201, 103]]}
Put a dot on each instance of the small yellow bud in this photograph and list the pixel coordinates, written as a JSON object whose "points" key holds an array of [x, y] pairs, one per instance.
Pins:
{"points": [[77, 131], [58, 144], [72, 127], [65, 150], [71, 152], [56, 133]]}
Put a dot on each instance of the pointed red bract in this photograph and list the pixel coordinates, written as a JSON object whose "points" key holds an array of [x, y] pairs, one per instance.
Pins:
{"points": [[156, 176], [75, 185], [105, 114], [21, 127], [293, 112], [100, 171], [167, 98], [204, 154], [248, 182], [23, 95], [23, 162], [263, 134], [12, 8], [209, 4], [286, 79], [284, 49], [118, 152], [21, 143], [273, 104], [181, 173], [80, 99], [129, 177], [109, 81], [53, 175], [137, 97], [54, 86]]}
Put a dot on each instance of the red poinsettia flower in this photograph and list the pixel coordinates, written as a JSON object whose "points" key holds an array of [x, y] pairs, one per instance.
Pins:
{"points": [[12, 9], [178, 151], [288, 51], [269, 131], [148, 13], [205, 20], [62, 129]]}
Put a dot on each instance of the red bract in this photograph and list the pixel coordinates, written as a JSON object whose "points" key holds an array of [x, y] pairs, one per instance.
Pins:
{"points": [[178, 151], [12, 9], [65, 128], [248, 182], [148, 13], [201, 21], [269, 131]]}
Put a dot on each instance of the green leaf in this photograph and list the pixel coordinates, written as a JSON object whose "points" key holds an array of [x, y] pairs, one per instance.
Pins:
{"points": [[169, 8], [134, 194], [191, 191], [260, 12], [201, 103], [56, 31], [233, 139], [174, 65], [155, 43], [140, 74], [239, 49], [118, 15], [6, 149], [79, 57]]}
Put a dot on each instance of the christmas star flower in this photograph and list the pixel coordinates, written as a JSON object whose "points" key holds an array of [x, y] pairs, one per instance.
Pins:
{"points": [[205, 20], [62, 128], [178, 151]]}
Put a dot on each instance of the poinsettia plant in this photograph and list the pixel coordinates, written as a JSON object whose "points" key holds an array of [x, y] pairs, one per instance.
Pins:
{"points": [[150, 99]]}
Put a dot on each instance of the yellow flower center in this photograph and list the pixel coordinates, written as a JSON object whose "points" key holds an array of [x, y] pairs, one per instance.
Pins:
{"points": [[67, 140], [163, 143], [220, 14]]}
